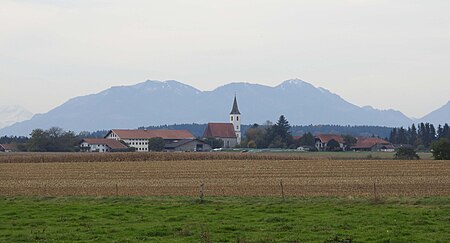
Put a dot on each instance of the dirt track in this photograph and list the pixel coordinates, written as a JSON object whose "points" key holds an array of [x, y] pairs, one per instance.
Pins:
{"points": [[229, 177]]}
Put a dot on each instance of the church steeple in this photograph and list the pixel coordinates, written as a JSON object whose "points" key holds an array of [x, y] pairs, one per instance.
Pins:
{"points": [[235, 110], [235, 119]]}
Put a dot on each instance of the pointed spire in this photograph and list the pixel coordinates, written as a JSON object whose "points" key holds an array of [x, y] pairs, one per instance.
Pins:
{"points": [[235, 110]]}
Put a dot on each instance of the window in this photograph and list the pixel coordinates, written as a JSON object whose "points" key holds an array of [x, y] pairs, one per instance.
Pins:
{"points": [[231, 118], [237, 118], [237, 127]]}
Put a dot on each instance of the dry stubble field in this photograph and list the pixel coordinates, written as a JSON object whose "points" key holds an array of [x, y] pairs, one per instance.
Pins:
{"points": [[238, 174]]}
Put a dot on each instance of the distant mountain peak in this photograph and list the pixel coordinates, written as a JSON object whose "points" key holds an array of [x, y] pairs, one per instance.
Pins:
{"points": [[293, 82], [10, 114]]}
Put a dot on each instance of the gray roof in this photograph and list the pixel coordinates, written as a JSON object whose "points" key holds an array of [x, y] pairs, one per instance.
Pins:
{"points": [[235, 110], [180, 142]]}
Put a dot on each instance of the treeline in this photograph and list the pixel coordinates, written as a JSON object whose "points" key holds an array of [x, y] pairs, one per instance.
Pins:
{"points": [[13, 139], [269, 136], [421, 136], [54, 139], [364, 131], [356, 131]]}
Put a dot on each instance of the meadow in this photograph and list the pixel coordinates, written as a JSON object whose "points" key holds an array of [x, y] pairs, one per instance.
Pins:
{"points": [[224, 219]]}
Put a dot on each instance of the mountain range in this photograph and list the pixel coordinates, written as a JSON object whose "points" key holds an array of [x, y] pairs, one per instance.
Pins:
{"points": [[169, 102]]}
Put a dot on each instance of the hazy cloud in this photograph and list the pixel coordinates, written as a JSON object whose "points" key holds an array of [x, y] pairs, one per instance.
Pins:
{"points": [[383, 53]]}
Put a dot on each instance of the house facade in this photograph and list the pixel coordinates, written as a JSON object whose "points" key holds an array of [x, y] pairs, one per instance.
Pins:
{"points": [[102, 145], [325, 142], [138, 139]]}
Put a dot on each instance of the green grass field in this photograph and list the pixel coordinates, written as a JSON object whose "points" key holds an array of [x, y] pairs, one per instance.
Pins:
{"points": [[224, 219]]}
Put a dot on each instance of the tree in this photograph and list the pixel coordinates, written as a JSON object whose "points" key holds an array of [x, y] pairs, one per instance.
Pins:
{"points": [[306, 140], [54, 139], [412, 136], [251, 144], [333, 145], [406, 153], [446, 132], [278, 135], [441, 149], [349, 141], [402, 139], [38, 141], [156, 144], [256, 134]]}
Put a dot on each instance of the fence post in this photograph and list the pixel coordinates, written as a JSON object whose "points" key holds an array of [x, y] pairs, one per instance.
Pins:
{"points": [[375, 190], [201, 192], [282, 189], [117, 190]]}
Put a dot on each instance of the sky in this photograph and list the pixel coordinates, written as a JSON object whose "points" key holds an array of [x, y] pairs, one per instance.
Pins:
{"points": [[383, 53]]}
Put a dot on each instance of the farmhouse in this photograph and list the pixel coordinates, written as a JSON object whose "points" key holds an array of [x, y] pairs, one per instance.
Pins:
{"points": [[102, 145], [373, 144], [229, 133], [326, 142], [7, 148], [138, 139]]}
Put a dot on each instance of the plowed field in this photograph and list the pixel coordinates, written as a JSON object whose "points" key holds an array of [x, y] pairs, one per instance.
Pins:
{"points": [[229, 177]]}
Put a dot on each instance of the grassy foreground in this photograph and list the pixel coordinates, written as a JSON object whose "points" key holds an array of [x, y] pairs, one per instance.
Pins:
{"points": [[223, 219]]}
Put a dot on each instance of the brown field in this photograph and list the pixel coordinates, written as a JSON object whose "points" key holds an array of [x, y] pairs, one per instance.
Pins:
{"points": [[222, 174]]}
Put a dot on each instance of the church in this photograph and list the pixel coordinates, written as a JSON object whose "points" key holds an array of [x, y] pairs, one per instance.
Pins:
{"points": [[229, 133]]}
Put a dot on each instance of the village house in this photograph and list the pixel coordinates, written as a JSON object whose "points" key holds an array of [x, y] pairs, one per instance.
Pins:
{"points": [[138, 139], [373, 144], [102, 145], [324, 142], [7, 148], [229, 133]]}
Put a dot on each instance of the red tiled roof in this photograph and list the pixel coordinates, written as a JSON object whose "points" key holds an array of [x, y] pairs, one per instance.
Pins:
{"points": [[219, 130], [296, 137], [8, 146], [364, 142], [112, 143], [325, 138], [147, 134]]}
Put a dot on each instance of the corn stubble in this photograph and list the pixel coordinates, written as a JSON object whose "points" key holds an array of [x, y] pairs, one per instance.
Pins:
{"points": [[223, 174]]}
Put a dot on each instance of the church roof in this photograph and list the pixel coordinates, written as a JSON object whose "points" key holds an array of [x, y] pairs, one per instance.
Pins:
{"points": [[219, 130], [235, 110]]}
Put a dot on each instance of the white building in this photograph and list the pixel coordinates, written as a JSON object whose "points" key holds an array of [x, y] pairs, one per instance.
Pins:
{"points": [[101, 145]]}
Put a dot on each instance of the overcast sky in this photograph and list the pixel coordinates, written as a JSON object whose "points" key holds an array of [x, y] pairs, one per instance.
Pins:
{"points": [[387, 54]]}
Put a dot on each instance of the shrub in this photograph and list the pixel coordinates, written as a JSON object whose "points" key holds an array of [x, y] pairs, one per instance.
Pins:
{"points": [[441, 149], [406, 153]]}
